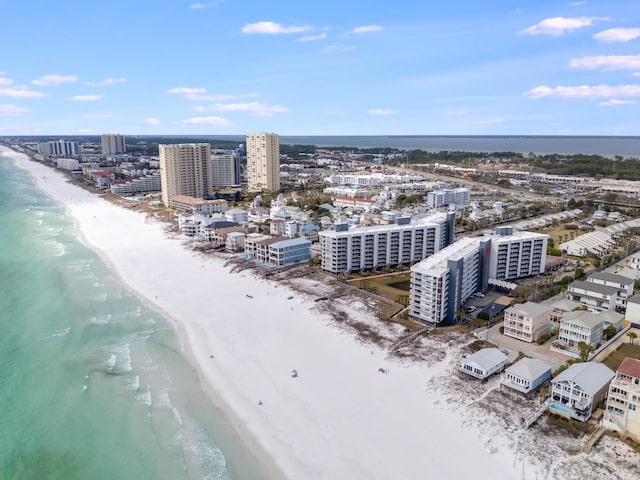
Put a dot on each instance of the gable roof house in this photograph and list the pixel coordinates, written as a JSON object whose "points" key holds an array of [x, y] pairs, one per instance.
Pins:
{"points": [[484, 363], [526, 375], [577, 391]]}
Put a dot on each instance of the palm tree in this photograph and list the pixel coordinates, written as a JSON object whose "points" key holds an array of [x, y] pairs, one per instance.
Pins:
{"points": [[632, 336], [585, 349]]}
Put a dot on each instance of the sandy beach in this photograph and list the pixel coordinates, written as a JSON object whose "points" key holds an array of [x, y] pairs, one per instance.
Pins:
{"points": [[340, 418]]}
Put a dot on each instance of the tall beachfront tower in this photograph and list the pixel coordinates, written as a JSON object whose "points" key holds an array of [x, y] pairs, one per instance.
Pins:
{"points": [[263, 161], [185, 169], [113, 143]]}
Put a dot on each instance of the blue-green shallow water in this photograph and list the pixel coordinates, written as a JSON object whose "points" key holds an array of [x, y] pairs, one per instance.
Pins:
{"points": [[92, 383]]}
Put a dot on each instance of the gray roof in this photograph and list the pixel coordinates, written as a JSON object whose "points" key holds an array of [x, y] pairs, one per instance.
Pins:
{"points": [[634, 299], [568, 305], [611, 277], [589, 376], [529, 369], [530, 308], [594, 287], [583, 317], [487, 358]]}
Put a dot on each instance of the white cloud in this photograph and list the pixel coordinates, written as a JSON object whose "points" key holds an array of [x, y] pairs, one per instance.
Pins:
{"points": [[489, 121], [365, 29], [186, 90], [615, 102], [85, 98], [381, 111], [607, 62], [200, 6], [338, 49], [20, 92], [8, 110], [577, 4], [85, 130], [557, 26], [218, 121], [312, 38], [636, 74], [5, 81], [217, 98], [272, 28], [97, 116], [256, 108], [617, 35], [152, 121], [334, 111], [585, 91], [54, 79], [107, 82]]}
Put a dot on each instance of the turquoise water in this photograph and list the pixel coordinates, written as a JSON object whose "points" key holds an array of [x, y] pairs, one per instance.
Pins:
{"points": [[92, 383]]}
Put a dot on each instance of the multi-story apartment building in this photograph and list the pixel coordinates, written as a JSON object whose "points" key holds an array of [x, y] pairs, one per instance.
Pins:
{"points": [[623, 402], [621, 282], [527, 321], [148, 183], [280, 251], [448, 196], [64, 148], [517, 254], [263, 161], [345, 249], [185, 169], [225, 167], [198, 206], [576, 392], [113, 143], [442, 283]]}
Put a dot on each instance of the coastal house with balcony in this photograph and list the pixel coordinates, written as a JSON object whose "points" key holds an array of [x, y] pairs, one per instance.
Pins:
{"points": [[527, 321], [595, 296], [483, 363], [526, 375], [281, 251], [577, 391], [623, 401], [579, 326]]}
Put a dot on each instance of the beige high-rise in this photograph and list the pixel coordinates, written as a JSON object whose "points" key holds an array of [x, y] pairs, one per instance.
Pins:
{"points": [[185, 169], [263, 161]]}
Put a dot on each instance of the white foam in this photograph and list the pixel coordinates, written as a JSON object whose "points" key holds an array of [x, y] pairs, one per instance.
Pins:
{"points": [[145, 398], [111, 362], [60, 333], [135, 383]]}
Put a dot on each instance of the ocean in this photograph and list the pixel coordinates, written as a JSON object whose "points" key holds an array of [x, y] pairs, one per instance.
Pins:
{"points": [[609, 146], [93, 384]]}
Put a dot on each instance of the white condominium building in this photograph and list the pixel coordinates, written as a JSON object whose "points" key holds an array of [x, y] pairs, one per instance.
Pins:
{"points": [[345, 249], [447, 196], [225, 166], [64, 148], [185, 169], [517, 254], [113, 143], [263, 161], [442, 283]]}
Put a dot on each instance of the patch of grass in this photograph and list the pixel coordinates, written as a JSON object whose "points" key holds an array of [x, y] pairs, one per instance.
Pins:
{"points": [[404, 285], [479, 345], [614, 360]]}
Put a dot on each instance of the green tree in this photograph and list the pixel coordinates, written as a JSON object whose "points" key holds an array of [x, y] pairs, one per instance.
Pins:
{"points": [[610, 331], [585, 349], [632, 336]]}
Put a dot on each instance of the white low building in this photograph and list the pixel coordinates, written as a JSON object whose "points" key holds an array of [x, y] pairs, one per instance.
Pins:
{"points": [[484, 363], [526, 375]]}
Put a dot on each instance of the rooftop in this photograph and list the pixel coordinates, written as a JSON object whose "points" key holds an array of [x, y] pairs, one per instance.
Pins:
{"points": [[630, 366], [589, 376]]}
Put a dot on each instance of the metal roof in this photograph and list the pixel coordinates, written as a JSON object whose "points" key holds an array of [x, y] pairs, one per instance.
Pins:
{"points": [[529, 369], [589, 376]]}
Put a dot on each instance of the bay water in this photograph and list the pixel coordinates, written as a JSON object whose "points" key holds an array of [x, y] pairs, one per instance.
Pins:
{"points": [[93, 384]]}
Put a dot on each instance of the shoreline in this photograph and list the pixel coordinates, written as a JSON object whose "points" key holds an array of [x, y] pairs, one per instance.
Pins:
{"points": [[341, 418], [268, 469]]}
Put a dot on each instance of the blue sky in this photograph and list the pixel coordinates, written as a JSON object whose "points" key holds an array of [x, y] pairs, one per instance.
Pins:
{"points": [[349, 67]]}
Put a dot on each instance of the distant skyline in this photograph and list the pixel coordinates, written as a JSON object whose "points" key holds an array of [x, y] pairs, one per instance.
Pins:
{"points": [[228, 67]]}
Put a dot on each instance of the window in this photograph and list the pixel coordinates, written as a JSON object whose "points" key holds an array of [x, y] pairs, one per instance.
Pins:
{"points": [[632, 407]]}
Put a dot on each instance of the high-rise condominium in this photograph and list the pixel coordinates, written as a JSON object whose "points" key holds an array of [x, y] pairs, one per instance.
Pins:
{"points": [[263, 161], [113, 143], [185, 169]]}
